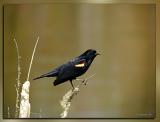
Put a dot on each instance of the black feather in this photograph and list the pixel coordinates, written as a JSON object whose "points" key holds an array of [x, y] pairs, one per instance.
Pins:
{"points": [[49, 74]]}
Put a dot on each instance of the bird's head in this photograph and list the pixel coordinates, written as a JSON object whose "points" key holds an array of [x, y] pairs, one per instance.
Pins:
{"points": [[90, 53]]}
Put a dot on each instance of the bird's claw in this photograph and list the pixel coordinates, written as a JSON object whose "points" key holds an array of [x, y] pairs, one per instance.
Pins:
{"points": [[84, 82]]}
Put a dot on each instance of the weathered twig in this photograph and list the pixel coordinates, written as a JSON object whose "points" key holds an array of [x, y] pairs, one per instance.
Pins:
{"points": [[8, 112], [40, 113], [17, 86], [32, 59], [25, 104], [67, 98]]}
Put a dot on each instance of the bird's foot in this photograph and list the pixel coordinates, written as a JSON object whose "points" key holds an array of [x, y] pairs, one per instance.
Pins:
{"points": [[84, 82]]}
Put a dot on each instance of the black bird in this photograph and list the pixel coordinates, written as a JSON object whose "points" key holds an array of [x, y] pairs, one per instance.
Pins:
{"points": [[72, 69]]}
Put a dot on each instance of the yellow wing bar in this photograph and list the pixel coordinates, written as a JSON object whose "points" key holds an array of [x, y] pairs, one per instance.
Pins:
{"points": [[80, 65]]}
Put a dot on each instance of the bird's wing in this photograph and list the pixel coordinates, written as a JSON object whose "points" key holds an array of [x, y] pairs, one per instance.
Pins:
{"points": [[69, 70], [66, 72], [79, 62]]}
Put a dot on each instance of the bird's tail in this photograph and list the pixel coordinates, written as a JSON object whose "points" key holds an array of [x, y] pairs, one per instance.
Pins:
{"points": [[38, 77], [49, 74]]}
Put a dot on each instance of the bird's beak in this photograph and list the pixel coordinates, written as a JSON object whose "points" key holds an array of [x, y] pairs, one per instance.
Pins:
{"points": [[98, 54]]}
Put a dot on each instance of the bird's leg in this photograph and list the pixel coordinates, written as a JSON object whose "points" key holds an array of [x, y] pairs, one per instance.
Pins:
{"points": [[83, 80], [71, 84]]}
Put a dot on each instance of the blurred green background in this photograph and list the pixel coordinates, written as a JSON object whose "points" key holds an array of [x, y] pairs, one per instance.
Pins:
{"points": [[124, 85]]}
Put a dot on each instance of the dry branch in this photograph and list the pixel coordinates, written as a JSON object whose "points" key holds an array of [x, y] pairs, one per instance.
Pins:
{"points": [[68, 97], [17, 86], [25, 106]]}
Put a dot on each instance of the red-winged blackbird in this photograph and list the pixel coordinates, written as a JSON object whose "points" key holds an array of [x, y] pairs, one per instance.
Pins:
{"points": [[72, 69]]}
